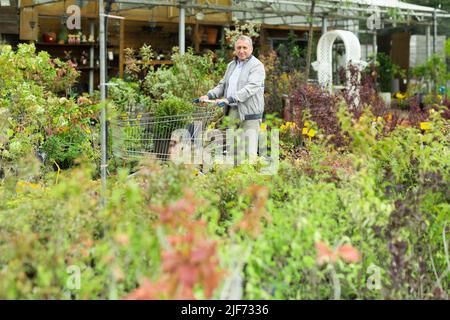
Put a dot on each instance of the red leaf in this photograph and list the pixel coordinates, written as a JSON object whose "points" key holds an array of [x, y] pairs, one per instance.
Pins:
{"points": [[349, 254], [324, 253]]}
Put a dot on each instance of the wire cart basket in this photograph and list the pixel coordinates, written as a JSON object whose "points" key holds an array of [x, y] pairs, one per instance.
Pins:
{"points": [[144, 134]]}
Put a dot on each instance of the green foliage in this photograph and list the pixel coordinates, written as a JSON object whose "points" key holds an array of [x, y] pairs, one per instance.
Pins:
{"points": [[249, 29], [126, 97], [383, 197], [189, 77], [65, 147], [433, 71], [291, 56], [32, 114], [278, 82], [173, 106], [387, 71]]}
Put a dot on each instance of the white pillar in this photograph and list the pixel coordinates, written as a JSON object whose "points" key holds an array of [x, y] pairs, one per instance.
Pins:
{"points": [[375, 48], [435, 31], [324, 24], [428, 37], [102, 40], [181, 30]]}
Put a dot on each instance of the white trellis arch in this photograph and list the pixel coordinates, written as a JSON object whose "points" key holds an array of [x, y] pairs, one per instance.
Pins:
{"points": [[323, 65]]}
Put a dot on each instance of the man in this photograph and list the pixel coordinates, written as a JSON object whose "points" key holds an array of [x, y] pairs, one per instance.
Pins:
{"points": [[242, 88]]}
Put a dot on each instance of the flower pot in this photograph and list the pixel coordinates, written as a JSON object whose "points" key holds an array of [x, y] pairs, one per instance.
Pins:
{"points": [[211, 35], [386, 96], [63, 35], [49, 37]]}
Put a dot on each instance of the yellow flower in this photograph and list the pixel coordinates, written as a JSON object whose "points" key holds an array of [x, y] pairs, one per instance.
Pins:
{"points": [[311, 133], [425, 126], [439, 97], [23, 185], [400, 96], [263, 127]]}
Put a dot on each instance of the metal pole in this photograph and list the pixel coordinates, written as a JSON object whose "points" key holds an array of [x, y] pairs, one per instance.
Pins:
{"points": [[102, 40], [375, 48], [91, 59], [435, 30], [428, 37], [181, 29], [324, 24]]}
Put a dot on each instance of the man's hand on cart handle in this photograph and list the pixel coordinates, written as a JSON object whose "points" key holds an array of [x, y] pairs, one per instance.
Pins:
{"points": [[218, 102], [222, 102], [203, 99]]}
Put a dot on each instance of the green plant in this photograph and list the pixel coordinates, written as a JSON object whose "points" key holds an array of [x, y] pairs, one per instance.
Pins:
{"points": [[248, 28], [434, 72], [34, 114], [387, 71], [126, 97], [190, 76], [278, 82]]}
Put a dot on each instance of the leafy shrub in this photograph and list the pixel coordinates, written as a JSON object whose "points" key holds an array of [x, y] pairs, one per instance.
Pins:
{"points": [[126, 97], [433, 71], [386, 71], [32, 113], [278, 83], [189, 77]]}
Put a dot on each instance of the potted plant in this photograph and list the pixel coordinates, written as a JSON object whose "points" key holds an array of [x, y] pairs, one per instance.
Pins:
{"points": [[167, 111], [387, 71]]}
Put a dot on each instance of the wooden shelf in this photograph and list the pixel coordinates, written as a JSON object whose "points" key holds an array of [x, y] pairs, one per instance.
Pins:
{"points": [[87, 45], [50, 44], [156, 62], [92, 68], [210, 44]]}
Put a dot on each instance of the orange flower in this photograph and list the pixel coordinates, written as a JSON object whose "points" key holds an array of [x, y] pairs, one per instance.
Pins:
{"points": [[325, 254], [345, 252], [349, 254]]}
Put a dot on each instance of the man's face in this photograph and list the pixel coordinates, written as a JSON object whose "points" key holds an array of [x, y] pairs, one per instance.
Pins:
{"points": [[243, 49]]}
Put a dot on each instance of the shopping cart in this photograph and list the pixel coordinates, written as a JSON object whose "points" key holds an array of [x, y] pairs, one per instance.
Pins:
{"points": [[144, 134]]}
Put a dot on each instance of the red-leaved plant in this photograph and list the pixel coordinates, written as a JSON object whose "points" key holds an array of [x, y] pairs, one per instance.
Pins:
{"points": [[189, 261], [345, 252]]}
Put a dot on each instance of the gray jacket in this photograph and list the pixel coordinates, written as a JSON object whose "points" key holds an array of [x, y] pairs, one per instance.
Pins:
{"points": [[250, 88]]}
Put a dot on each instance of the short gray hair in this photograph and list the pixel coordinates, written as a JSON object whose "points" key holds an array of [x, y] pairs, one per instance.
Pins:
{"points": [[245, 38]]}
